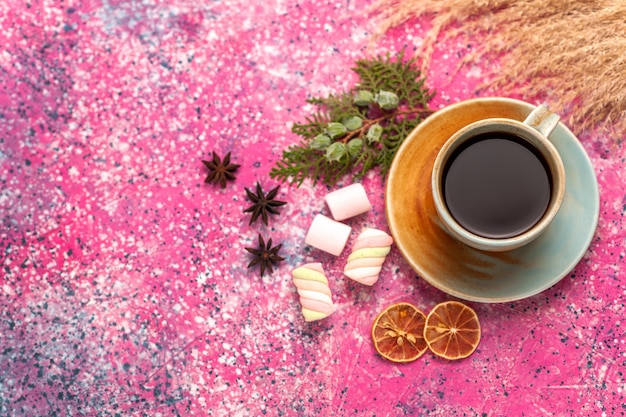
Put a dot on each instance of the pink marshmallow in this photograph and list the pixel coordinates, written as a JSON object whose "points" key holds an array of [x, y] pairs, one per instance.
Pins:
{"points": [[307, 285], [318, 306], [327, 235], [373, 242], [315, 266], [348, 202], [364, 263]]}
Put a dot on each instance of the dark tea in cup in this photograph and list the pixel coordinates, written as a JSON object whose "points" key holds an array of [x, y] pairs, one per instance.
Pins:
{"points": [[496, 185]]}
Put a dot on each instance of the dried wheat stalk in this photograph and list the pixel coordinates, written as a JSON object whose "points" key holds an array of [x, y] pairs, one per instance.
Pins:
{"points": [[568, 53]]}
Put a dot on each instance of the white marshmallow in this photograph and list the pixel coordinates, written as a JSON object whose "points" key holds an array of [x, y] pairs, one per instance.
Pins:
{"points": [[348, 202], [327, 235]]}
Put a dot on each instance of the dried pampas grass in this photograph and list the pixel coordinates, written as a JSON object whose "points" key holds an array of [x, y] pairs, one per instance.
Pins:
{"points": [[569, 53]]}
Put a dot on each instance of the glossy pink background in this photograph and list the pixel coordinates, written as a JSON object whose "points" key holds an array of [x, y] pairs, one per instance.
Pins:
{"points": [[124, 289]]}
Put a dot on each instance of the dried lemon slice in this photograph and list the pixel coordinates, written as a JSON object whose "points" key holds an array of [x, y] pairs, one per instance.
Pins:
{"points": [[452, 330], [398, 333]]}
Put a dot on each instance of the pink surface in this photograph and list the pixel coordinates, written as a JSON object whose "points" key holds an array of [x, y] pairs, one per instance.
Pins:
{"points": [[124, 289]]}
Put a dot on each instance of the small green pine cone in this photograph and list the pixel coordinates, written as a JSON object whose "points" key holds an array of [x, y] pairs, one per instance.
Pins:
{"points": [[387, 100], [353, 123], [374, 133], [320, 142], [336, 130], [363, 98], [335, 152], [354, 147]]}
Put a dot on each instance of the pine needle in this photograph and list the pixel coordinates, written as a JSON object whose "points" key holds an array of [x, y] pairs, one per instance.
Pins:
{"points": [[359, 148]]}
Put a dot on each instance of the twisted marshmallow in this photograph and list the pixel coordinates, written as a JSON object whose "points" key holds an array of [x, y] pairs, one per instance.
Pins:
{"points": [[315, 296], [368, 254]]}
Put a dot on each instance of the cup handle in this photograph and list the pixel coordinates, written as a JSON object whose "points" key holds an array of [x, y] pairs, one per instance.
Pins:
{"points": [[542, 120]]}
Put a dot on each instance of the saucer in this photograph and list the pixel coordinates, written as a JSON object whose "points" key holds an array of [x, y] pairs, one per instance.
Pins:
{"points": [[468, 273]]}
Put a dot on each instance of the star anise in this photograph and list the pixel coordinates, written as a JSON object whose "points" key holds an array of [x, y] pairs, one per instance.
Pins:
{"points": [[221, 170], [263, 204], [265, 255]]}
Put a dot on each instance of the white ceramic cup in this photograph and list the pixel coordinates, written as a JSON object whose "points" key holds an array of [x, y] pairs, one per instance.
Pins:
{"points": [[534, 132]]}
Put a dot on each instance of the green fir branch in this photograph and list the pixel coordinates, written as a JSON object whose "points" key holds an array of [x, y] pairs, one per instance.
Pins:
{"points": [[360, 129]]}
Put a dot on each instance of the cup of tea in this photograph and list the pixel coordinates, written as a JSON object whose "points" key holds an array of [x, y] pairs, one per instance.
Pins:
{"points": [[498, 183]]}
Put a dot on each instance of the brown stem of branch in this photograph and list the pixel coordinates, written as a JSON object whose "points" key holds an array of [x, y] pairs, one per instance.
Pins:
{"points": [[370, 122]]}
